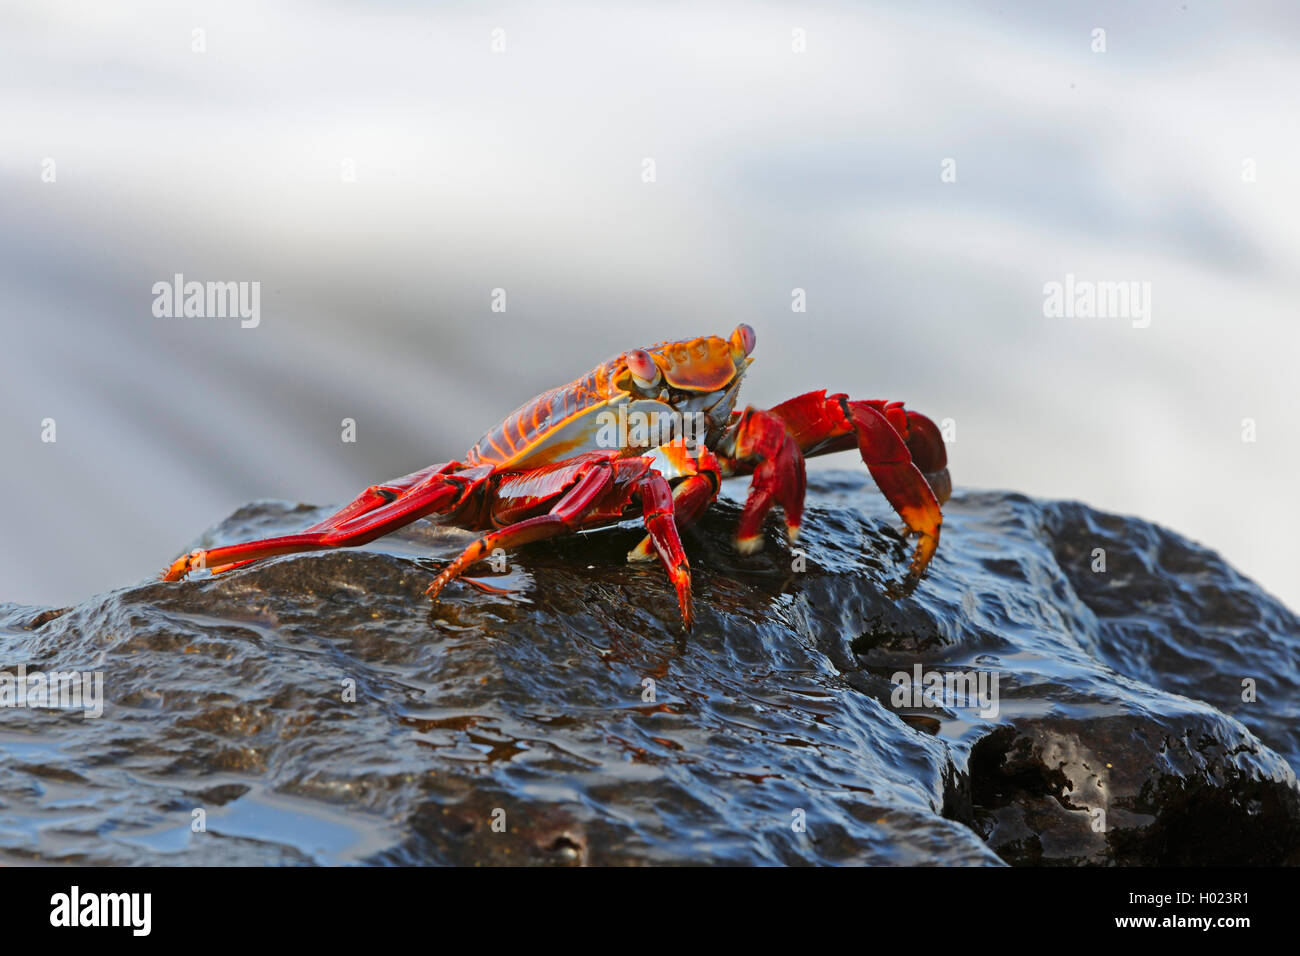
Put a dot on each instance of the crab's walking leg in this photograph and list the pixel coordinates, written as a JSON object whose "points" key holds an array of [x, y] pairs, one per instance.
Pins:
{"points": [[696, 472], [563, 518], [657, 512], [377, 511], [597, 489], [691, 497]]}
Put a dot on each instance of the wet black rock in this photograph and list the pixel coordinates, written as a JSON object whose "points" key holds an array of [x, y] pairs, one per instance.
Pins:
{"points": [[317, 709]]}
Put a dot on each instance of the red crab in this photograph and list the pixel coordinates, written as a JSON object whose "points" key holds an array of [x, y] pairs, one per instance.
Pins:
{"points": [[618, 443]]}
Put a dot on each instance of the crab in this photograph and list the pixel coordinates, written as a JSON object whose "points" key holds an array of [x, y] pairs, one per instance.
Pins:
{"points": [[649, 434]]}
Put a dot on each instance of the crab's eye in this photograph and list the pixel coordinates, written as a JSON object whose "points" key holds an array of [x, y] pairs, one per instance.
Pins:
{"points": [[742, 341], [643, 368]]}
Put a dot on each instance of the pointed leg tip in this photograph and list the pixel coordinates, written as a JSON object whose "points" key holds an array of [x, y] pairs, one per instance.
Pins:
{"points": [[792, 533], [681, 578], [182, 566], [749, 545], [926, 546]]}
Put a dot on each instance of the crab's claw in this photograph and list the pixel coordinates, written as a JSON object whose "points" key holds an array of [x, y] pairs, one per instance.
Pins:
{"points": [[890, 462], [903, 450], [779, 478], [925, 444]]}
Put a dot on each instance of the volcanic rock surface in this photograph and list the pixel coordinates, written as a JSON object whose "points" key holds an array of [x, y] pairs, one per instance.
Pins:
{"points": [[318, 709]]}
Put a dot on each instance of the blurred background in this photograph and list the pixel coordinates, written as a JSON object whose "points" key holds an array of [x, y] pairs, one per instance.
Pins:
{"points": [[381, 168]]}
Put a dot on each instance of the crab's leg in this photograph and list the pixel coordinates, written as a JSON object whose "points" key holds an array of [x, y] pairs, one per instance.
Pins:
{"points": [[378, 510], [691, 497], [696, 473], [887, 437], [595, 486], [657, 506], [592, 480], [377, 496]]}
